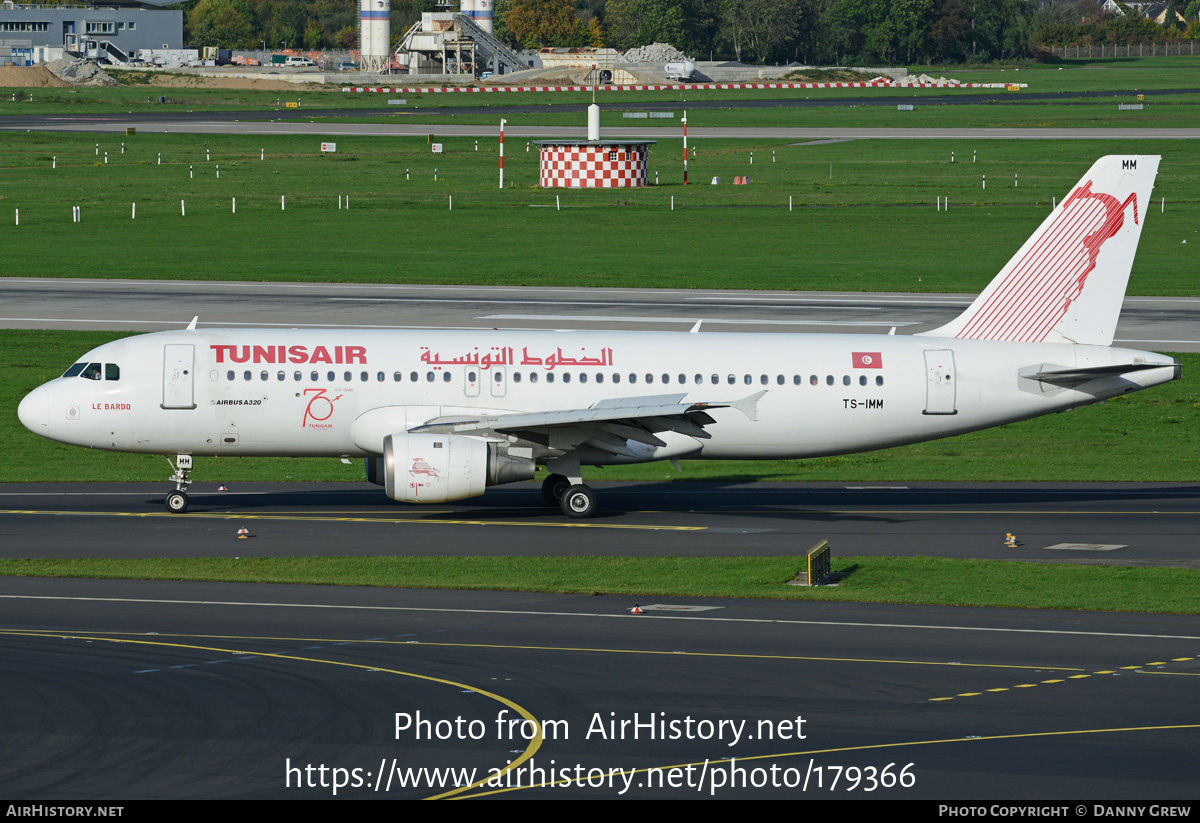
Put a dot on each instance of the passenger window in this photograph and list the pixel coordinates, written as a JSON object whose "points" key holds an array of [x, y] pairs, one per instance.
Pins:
{"points": [[281, 376], [649, 378], [699, 379], [533, 377], [264, 375], [315, 376], [796, 379], [330, 376], [348, 377], [298, 376], [379, 377], [845, 380], [862, 380], [112, 371], [75, 370], [682, 379], [412, 376], [879, 380], [428, 377], [762, 378], [600, 377], [779, 379], [813, 380], [363, 376], [397, 377], [549, 377], [583, 377], [566, 377], [229, 375], [616, 377], [733, 379], [715, 379], [516, 377], [247, 375], [446, 376], [829, 380], [666, 378], [748, 380]]}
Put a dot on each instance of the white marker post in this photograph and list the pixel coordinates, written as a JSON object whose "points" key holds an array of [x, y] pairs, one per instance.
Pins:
{"points": [[262, 154], [502, 122], [133, 212], [451, 202], [282, 204], [18, 217], [234, 205], [684, 121]]}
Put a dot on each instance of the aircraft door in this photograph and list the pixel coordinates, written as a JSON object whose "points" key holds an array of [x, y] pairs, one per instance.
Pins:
{"points": [[940, 380], [178, 370], [498, 379], [471, 380]]}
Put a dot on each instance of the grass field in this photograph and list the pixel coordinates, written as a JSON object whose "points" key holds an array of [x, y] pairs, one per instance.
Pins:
{"points": [[1120, 74], [863, 213], [926, 580], [1150, 435]]}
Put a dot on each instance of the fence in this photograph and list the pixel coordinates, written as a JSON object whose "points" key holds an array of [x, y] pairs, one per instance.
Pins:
{"points": [[1179, 48]]}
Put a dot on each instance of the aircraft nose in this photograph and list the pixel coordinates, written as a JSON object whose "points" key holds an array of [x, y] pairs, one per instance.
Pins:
{"points": [[34, 411]]}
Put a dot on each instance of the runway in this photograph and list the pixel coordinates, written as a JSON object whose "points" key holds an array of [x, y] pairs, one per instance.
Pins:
{"points": [[1161, 323], [219, 123], [129, 690], [1101, 523]]}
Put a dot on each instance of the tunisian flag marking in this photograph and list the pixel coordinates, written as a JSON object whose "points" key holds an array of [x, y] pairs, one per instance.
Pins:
{"points": [[867, 359]]}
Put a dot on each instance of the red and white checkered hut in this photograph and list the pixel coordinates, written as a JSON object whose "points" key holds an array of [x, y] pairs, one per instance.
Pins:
{"points": [[594, 164]]}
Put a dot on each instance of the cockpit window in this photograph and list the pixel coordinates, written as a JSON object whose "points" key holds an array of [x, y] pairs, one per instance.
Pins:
{"points": [[92, 372], [112, 371], [75, 370]]}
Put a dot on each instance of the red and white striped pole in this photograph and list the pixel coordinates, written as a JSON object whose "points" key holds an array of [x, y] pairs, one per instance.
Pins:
{"points": [[502, 153], [684, 121]]}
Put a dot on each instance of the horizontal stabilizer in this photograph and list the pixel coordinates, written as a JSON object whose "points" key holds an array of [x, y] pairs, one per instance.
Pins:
{"points": [[1065, 376]]}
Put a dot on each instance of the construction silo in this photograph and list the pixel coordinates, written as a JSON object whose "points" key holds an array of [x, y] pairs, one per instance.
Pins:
{"points": [[479, 12], [375, 33]]}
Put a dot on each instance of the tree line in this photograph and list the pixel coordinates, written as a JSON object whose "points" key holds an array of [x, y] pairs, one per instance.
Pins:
{"points": [[818, 32]]}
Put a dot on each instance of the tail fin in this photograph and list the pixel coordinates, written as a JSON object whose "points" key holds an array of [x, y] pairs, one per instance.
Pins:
{"points": [[1067, 282]]}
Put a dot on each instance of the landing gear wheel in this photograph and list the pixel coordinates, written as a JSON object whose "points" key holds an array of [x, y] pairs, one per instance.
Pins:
{"points": [[177, 502], [578, 501], [553, 488]]}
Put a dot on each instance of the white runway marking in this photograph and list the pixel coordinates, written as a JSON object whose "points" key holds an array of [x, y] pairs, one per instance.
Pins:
{"points": [[621, 616]]}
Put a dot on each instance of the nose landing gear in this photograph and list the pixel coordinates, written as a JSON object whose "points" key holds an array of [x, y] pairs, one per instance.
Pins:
{"points": [[177, 501]]}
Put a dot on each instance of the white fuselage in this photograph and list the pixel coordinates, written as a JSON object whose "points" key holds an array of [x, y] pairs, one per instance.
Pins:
{"points": [[338, 393]]}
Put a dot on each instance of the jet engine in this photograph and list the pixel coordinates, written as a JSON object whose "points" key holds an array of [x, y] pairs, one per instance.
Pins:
{"points": [[437, 468]]}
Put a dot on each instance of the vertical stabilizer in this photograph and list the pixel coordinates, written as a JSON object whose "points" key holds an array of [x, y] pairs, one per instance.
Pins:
{"points": [[1067, 282]]}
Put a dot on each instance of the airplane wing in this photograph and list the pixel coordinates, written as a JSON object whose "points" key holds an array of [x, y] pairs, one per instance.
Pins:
{"points": [[608, 425]]}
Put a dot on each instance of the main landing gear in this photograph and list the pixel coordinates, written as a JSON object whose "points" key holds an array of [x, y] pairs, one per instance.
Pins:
{"points": [[574, 499], [177, 501]]}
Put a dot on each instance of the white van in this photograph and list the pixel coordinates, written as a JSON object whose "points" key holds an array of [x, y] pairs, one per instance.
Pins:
{"points": [[299, 62]]}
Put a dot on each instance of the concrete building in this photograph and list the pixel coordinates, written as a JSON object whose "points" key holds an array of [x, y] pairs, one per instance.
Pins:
{"points": [[31, 32]]}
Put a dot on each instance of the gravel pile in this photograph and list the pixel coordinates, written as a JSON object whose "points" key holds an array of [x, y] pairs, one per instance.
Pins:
{"points": [[654, 53], [916, 79], [81, 73]]}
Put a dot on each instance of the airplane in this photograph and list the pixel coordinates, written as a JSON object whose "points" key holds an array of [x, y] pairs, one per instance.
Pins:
{"points": [[441, 415]]}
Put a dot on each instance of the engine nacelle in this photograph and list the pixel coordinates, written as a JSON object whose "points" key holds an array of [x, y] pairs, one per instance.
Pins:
{"points": [[438, 468]]}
